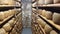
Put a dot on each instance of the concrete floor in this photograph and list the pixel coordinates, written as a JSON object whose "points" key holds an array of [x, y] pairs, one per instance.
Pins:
{"points": [[26, 31]]}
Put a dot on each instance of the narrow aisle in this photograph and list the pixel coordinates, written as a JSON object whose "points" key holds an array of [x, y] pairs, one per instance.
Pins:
{"points": [[26, 31]]}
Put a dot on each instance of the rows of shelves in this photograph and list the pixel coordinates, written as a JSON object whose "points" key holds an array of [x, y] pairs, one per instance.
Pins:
{"points": [[15, 25], [49, 22]]}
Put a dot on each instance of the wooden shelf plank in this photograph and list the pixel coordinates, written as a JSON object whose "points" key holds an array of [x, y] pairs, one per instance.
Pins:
{"points": [[9, 6], [52, 23], [6, 19], [48, 5]]}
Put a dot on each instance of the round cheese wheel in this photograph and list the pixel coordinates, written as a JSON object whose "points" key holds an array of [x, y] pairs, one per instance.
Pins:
{"points": [[47, 29], [41, 2], [12, 12], [53, 32], [7, 2], [44, 13], [7, 27], [13, 31], [12, 21], [33, 10], [33, 16], [56, 18], [9, 13], [39, 11], [2, 31], [56, 1], [41, 22], [48, 15], [6, 32], [2, 16], [6, 13], [48, 1]]}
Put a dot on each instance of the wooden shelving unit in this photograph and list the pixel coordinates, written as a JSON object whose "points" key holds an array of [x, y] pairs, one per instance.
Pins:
{"points": [[16, 23], [51, 22], [6, 19]]}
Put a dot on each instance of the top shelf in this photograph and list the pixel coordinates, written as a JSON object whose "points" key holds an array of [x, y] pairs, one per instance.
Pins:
{"points": [[49, 5], [9, 6]]}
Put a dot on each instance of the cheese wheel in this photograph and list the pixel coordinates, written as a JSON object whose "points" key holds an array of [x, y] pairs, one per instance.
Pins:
{"points": [[13, 31], [34, 4], [6, 32], [2, 31], [7, 2], [12, 12], [53, 32], [47, 29], [48, 1], [41, 2], [2, 16], [12, 21], [41, 22], [44, 13], [33, 10], [9, 13], [39, 11], [56, 18], [48, 15], [7, 27], [56, 1]]}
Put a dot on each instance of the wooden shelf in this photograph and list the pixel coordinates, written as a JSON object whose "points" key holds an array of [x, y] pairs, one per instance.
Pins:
{"points": [[6, 19], [9, 6], [49, 5], [52, 23]]}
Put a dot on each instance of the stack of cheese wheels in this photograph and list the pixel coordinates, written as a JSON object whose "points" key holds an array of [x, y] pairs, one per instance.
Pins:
{"points": [[48, 15], [41, 2], [56, 18], [47, 29], [7, 2], [40, 11], [6, 32], [53, 32], [33, 16], [13, 31], [5, 14], [7, 27], [12, 21], [2, 31], [12, 12], [44, 13], [56, 1], [41, 22], [2, 16], [48, 1]]}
